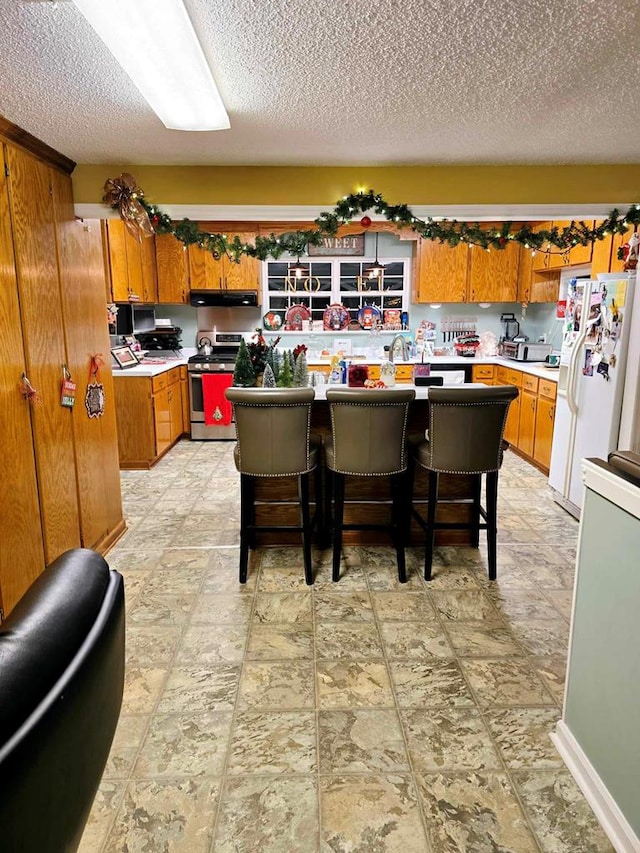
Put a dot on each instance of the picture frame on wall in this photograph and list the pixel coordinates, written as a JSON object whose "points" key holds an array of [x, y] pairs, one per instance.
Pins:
{"points": [[125, 357]]}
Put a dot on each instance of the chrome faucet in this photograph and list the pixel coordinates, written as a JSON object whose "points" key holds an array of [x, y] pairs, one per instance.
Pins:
{"points": [[405, 348]]}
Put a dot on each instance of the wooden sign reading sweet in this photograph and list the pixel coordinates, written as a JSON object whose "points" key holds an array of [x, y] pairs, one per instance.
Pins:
{"points": [[353, 245]]}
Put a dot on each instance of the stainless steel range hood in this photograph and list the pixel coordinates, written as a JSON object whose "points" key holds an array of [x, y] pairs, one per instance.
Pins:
{"points": [[223, 298]]}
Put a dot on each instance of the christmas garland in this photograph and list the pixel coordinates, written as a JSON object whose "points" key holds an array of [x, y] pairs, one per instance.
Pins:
{"points": [[124, 195]]}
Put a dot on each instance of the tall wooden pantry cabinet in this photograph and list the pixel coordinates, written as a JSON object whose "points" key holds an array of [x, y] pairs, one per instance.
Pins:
{"points": [[60, 487]]}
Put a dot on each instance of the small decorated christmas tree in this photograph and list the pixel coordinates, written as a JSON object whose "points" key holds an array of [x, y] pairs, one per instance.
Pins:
{"points": [[300, 372], [285, 378], [268, 379], [243, 374]]}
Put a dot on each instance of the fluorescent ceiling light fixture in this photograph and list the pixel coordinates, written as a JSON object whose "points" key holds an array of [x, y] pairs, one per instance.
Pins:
{"points": [[155, 43]]}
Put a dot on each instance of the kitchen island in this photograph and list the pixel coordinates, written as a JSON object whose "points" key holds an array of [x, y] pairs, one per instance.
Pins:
{"points": [[367, 488]]}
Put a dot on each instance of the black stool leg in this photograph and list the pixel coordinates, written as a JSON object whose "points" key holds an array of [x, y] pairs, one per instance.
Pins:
{"points": [[430, 529], [251, 487], [246, 512], [475, 520], [305, 523], [338, 515], [492, 523], [319, 494], [398, 522]]}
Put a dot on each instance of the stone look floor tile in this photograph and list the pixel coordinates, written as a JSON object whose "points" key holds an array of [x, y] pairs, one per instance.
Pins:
{"points": [[402, 606], [552, 672], [561, 817], [348, 640], [212, 644], [353, 684], [126, 743], [464, 604], [481, 639], [223, 609], [523, 736], [343, 607], [273, 642], [541, 638], [105, 807], [161, 609], [361, 741], [415, 640], [142, 687], [194, 687], [449, 739], [147, 645], [273, 742], [184, 745], [473, 812], [371, 813], [282, 607], [270, 815], [174, 816], [438, 683], [505, 681], [277, 685]]}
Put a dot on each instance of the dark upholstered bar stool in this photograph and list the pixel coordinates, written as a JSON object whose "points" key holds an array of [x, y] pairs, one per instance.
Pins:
{"points": [[274, 440], [368, 439], [465, 437]]}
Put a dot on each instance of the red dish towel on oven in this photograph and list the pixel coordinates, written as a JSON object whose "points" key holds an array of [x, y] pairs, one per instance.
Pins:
{"points": [[217, 409]]}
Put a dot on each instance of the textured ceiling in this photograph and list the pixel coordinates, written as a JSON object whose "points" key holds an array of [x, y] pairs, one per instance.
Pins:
{"points": [[380, 82]]}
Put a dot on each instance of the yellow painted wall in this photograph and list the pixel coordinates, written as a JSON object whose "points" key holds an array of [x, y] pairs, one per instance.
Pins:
{"points": [[248, 185]]}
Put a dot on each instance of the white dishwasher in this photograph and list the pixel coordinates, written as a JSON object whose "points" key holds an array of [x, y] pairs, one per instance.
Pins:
{"points": [[451, 377]]}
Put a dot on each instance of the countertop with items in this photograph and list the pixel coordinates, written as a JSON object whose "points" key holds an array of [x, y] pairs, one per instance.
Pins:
{"points": [[535, 368], [154, 367]]}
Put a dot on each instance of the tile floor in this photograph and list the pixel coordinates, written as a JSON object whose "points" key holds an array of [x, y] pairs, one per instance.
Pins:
{"points": [[360, 716]]}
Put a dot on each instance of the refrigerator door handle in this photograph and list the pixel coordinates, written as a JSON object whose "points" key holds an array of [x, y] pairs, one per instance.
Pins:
{"points": [[577, 352]]}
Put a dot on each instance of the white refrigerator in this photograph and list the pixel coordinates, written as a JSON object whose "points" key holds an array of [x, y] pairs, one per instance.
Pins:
{"points": [[591, 376]]}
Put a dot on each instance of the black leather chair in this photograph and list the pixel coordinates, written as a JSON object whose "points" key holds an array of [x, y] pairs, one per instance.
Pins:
{"points": [[274, 440], [465, 436], [61, 684]]}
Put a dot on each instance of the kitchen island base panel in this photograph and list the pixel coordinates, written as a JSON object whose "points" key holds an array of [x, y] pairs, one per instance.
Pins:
{"points": [[276, 511]]}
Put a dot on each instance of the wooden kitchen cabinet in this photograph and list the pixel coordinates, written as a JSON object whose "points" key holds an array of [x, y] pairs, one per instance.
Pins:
{"points": [[59, 488], [22, 549], [442, 272], [557, 260], [209, 273], [528, 406], [149, 416], [545, 415], [529, 427], [181, 269], [132, 264], [184, 397], [493, 275], [464, 274], [536, 286], [484, 373], [576, 256], [172, 266]]}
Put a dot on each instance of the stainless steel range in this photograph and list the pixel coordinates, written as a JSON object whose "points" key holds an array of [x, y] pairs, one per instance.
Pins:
{"points": [[217, 353]]}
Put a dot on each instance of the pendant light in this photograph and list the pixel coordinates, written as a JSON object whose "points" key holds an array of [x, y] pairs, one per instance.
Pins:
{"points": [[298, 269], [377, 269]]}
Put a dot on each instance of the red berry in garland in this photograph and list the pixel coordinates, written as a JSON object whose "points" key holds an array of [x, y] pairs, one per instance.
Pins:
{"points": [[365, 221]]}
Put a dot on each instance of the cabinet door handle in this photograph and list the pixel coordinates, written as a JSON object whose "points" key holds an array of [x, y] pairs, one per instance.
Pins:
{"points": [[170, 395], [552, 412]]}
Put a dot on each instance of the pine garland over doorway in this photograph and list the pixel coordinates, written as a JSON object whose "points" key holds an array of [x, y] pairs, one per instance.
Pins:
{"points": [[124, 195]]}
